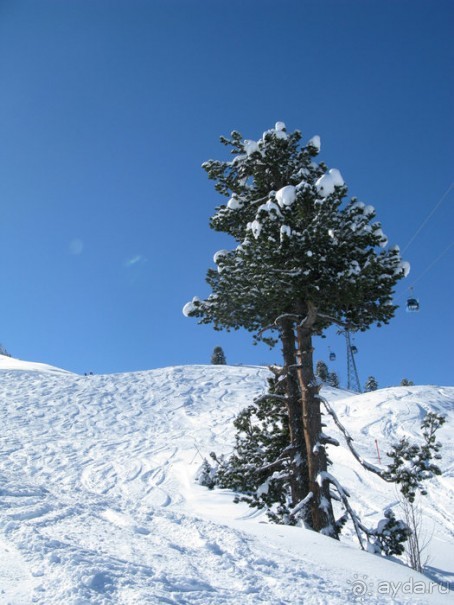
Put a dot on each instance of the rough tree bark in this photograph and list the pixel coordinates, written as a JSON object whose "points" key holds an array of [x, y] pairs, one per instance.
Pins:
{"points": [[299, 477], [322, 513]]}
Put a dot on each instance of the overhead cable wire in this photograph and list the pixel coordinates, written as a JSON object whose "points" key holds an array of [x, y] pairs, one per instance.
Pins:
{"points": [[427, 269], [434, 262], [427, 219]]}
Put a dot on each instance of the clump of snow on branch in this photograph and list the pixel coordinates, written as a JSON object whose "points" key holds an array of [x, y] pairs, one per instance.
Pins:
{"points": [[285, 231], [286, 196], [218, 255], [405, 267], [271, 208], [315, 142], [191, 306], [279, 131], [255, 227], [250, 147], [327, 183], [234, 203]]}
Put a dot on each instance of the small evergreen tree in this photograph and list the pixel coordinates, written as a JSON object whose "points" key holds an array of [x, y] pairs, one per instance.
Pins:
{"points": [[333, 380], [406, 383], [412, 463], [3, 351], [418, 541], [321, 371], [371, 385], [218, 357]]}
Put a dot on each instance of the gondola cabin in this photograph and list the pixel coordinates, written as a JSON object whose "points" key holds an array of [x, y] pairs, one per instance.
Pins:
{"points": [[332, 356], [412, 305], [354, 349]]}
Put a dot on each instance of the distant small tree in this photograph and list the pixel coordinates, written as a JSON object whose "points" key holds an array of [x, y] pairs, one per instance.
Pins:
{"points": [[3, 351], [218, 357], [406, 383], [333, 380], [412, 463], [321, 371], [418, 541], [371, 384]]}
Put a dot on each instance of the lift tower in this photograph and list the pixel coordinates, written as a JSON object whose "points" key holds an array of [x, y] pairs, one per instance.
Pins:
{"points": [[353, 383]]}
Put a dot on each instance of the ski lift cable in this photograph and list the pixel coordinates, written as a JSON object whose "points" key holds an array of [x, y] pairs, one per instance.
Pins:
{"points": [[427, 269], [439, 257], [429, 216]]}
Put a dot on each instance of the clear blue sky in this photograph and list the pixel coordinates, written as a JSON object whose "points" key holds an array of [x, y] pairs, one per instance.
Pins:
{"points": [[107, 111]]}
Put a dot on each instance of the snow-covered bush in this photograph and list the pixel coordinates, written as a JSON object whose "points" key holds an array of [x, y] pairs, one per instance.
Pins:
{"points": [[389, 536]]}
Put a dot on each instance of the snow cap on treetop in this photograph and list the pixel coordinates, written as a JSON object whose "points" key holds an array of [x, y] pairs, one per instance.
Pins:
{"points": [[279, 131], [314, 142]]}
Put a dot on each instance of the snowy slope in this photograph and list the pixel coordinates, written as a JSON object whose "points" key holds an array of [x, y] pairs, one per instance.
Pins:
{"points": [[98, 502]]}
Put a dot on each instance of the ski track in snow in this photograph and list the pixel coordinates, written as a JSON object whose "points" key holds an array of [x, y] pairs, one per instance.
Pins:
{"points": [[98, 503]]}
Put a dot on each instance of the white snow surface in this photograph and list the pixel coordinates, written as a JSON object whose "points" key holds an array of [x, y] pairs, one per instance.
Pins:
{"points": [[98, 502]]}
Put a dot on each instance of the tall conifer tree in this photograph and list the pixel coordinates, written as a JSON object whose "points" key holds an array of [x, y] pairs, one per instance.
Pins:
{"points": [[306, 257]]}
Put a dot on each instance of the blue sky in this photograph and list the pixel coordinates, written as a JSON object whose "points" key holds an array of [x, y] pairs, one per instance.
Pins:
{"points": [[107, 111]]}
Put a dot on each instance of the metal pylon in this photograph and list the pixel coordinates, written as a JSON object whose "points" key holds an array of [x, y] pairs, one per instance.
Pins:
{"points": [[353, 383]]}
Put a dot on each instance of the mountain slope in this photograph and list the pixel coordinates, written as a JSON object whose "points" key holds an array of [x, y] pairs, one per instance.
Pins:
{"points": [[98, 502]]}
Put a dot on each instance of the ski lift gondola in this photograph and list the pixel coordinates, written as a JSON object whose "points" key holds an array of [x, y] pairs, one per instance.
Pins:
{"points": [[354, 349], [332, 356], [412, 303]]}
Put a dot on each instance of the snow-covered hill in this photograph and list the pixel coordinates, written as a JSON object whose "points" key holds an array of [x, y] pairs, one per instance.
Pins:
{"points": [[98, 502]]}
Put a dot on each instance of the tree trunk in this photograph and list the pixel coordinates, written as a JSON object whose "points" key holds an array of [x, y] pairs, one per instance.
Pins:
{"points": [[299, 477], [321, 507]]}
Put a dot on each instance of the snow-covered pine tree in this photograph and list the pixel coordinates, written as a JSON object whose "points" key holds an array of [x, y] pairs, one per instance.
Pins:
{"points": [[412, 463], [333, 380], [218, 357], [321, 371], [305, 258], [257, 470], [371, 384], [3, 351]]}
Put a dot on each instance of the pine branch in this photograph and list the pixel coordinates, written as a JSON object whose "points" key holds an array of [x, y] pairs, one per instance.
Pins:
{"points": [[298, 319], [277, 464], [263, 330], [344, 495], [334, 320], [304, 502]]}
